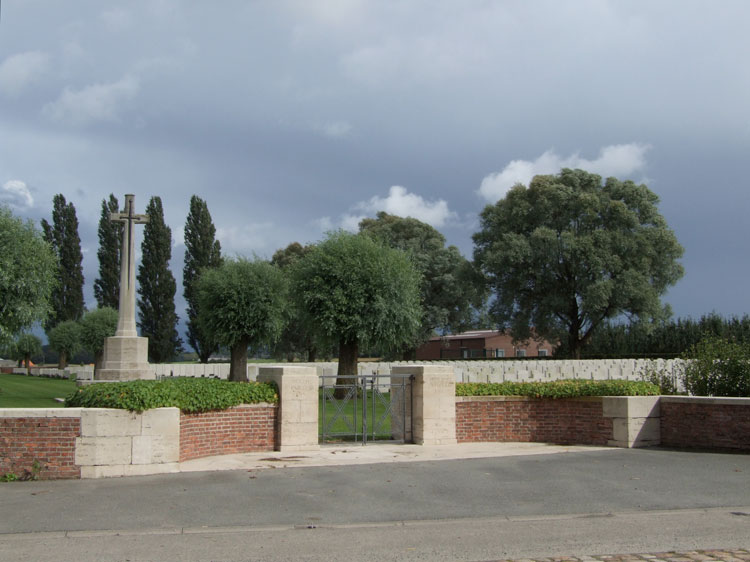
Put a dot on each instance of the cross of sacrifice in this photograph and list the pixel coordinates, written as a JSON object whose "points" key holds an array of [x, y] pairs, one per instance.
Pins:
{"points": [[126, 320]]}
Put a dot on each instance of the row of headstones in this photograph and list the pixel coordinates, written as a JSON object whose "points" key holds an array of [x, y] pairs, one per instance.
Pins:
{"points": [[465, 371], [83, 372]]}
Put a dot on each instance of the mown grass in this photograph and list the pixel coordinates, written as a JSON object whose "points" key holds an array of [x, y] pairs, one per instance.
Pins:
{"points": [[21, 391]]}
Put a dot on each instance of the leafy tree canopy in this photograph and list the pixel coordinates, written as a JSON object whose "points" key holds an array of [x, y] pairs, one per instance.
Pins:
{"points": [[28, 270], [25, 347], [297, 338], [450, 292], [359, 292], [242, 303], [96, 326], [569, 252], [202, 251], [65, 338]]}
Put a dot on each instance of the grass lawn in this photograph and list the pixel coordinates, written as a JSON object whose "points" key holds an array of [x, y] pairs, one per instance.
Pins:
{"points": [[20, 391]]}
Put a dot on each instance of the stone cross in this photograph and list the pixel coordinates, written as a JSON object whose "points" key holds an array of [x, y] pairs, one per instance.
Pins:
{"points": [[126, 320]]}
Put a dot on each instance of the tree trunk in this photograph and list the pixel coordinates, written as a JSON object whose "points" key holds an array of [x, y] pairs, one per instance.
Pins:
{"points": [[27, 360], [409, 354], [238, 365], [98, 359], [574, 345], [62, 361], [312, 352], [203, 355], [347, 369]]}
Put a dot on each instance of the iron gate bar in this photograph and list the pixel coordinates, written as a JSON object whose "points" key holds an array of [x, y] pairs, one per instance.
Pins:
{"points": [[371, 424]]}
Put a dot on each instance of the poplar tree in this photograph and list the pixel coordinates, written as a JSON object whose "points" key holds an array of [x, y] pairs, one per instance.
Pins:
{"points": [[107, 286], [62, 236], [157, 318], [202, 252]]}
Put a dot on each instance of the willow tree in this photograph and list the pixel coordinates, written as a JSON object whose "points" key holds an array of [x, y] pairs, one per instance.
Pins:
{"points": [[65, 338], [568, 252], [357, 292], [96, 326], [242, 304], [28, 275]]}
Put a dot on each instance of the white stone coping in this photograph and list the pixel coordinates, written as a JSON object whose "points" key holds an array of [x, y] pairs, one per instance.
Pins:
{"points": [[42, 412], [506, 398], [712, 400]]}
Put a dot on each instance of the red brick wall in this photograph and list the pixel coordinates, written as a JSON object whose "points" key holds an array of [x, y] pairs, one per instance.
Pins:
{"points": [[49, 441], [243, 429], [505, 419], [701, 424]]}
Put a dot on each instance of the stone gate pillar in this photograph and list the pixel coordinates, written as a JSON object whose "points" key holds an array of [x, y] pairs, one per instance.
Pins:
{"points": [[434, 403], [298, 406]]}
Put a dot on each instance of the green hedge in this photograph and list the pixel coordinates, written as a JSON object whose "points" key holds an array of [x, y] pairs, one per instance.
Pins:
{"points": [[187, 394], [559, 389]]}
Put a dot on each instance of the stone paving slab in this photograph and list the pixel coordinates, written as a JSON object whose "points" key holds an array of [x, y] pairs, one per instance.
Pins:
{"points": [[729, 555]]}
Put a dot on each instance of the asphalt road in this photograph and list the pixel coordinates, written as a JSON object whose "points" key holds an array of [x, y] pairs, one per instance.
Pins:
{"points": [[611, 501]]}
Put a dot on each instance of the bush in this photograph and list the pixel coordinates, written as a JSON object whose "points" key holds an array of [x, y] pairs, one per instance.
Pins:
{"points": [[559, 389], [717, 367], [665, 380], [188, 394]]}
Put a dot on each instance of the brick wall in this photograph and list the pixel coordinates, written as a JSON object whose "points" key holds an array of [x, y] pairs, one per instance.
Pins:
{"points": [[722, 423], [243, 429], [506, 419], [48, 440]]}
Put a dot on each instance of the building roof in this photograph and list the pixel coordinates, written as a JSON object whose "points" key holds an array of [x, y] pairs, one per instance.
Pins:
{"points": [[473, 334]]}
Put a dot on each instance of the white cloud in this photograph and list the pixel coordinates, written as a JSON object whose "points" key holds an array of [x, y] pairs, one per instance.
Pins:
{"points": [[323, 223], [20, 70], [98, 102], [246, 240], [399, 202], [351, 222], [16, 195], [404, 204], [614, 160]]}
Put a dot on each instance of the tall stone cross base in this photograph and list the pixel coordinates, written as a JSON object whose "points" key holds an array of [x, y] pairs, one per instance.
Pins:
{"points": [[125, 359]]}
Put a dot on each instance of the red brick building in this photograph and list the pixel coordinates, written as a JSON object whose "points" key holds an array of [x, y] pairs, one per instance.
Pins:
{"points": [[478, 344]]}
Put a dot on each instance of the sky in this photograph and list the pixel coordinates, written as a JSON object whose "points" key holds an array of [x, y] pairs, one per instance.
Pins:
{"points": [[292, 118]]}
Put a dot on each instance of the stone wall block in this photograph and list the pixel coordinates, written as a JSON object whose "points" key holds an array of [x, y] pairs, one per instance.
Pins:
{"points": [[635, 420], [105, 422], [161, 421], [142, 450], [630, 406], [635, 432], [103, 450]]}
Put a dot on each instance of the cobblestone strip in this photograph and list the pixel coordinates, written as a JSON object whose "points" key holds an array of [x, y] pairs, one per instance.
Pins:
{"points": [[729, 555]]}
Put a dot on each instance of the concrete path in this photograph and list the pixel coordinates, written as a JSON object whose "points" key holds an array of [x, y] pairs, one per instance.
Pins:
{"points": [[572, 502], [338, 455]]}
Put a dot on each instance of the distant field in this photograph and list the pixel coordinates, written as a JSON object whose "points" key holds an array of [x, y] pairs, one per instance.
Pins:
{"points": [[20, 391]]}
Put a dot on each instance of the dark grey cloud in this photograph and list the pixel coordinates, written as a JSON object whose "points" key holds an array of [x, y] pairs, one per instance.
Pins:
{"points": [[281, 114]]}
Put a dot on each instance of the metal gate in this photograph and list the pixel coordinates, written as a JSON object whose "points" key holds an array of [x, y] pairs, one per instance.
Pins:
{"points": [[366, 408]]}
